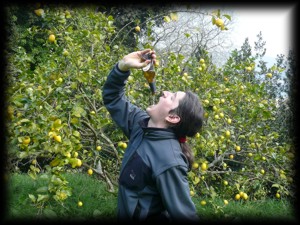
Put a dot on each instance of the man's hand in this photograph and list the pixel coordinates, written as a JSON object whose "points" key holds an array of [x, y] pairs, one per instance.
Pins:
{"points": [[135, 60]]}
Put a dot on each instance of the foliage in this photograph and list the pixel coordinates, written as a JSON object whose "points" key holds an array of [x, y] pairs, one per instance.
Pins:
{"points": [[243, 143], [57, 122], [54, 94]]}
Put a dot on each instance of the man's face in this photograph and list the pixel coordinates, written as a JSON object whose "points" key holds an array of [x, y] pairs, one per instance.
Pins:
{"points": [[167, 102]]}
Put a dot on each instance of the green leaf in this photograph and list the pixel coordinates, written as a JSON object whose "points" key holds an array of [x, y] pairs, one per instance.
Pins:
{"points": [[227, 16], [23, 155], [44, 176], [42, 198], [216, 12], [49, 213], [24, 121], [97, 213], [213, 20], [32, 175], [32, 198], [42, 189], [76, 133], [78, 111]]}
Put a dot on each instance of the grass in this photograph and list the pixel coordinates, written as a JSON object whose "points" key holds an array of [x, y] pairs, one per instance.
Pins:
{"points": [[99, 204], [268, 210]]}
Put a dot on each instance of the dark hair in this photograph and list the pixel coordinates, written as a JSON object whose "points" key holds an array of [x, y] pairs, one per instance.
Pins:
{"points": [[190, 111]]}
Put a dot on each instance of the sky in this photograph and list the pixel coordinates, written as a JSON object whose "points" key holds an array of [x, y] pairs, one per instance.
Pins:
{"points": [[275, 25]]}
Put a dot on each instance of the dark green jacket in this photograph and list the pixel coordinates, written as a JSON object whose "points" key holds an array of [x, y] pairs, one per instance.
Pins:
{"points": [[153, 177]]}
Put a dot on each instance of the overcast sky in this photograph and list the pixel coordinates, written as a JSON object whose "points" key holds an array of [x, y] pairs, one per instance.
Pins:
{"points": [[275, 24]]}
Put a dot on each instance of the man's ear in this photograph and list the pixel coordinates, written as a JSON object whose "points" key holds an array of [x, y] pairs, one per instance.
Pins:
{"points": [[173, 118]]}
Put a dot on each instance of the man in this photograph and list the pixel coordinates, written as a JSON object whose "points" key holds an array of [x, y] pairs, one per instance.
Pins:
{"points": [[153, 183]]}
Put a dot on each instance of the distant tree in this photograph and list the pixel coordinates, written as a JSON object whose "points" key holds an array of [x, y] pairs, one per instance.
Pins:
{"points": [[191, 32], [290, 87], [128, 16]]}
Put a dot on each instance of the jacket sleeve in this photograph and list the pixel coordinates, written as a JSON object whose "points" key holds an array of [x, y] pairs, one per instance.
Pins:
{"points": [[175, 194], [122, 111]]}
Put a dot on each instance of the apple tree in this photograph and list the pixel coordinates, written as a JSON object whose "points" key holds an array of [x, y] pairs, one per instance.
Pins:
{"points": [[58, 59]]}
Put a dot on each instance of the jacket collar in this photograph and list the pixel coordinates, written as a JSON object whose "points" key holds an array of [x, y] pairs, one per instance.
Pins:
{"points": [[153, 133]]}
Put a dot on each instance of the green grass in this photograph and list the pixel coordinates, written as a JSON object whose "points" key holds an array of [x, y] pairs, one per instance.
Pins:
{"points": [[257, 211], [99, 204]]}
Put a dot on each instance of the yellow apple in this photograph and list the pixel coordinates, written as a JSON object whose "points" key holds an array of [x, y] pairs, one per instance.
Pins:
{"points": [[219, 22], [39, 12], [78, 162], [137, 29], [203, 166], [206, 101], [65, 52], [167, 19], [248, 68], [51, 38], [269, 75], [26, 140], [195, 165], [174, 16], [124, 145], [227, 133], [57, 138], [237, 148], [90, 171]]}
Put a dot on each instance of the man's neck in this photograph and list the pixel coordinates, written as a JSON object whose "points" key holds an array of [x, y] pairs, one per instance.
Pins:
{"points": [[152, 123]]}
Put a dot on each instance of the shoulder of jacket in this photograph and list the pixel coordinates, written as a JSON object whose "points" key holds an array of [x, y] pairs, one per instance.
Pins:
{"points": [[167, 155]]}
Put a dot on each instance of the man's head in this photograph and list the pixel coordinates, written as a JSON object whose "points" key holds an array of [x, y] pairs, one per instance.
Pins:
{"points": [[160, 113], [180, 110], [190, 111]]}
